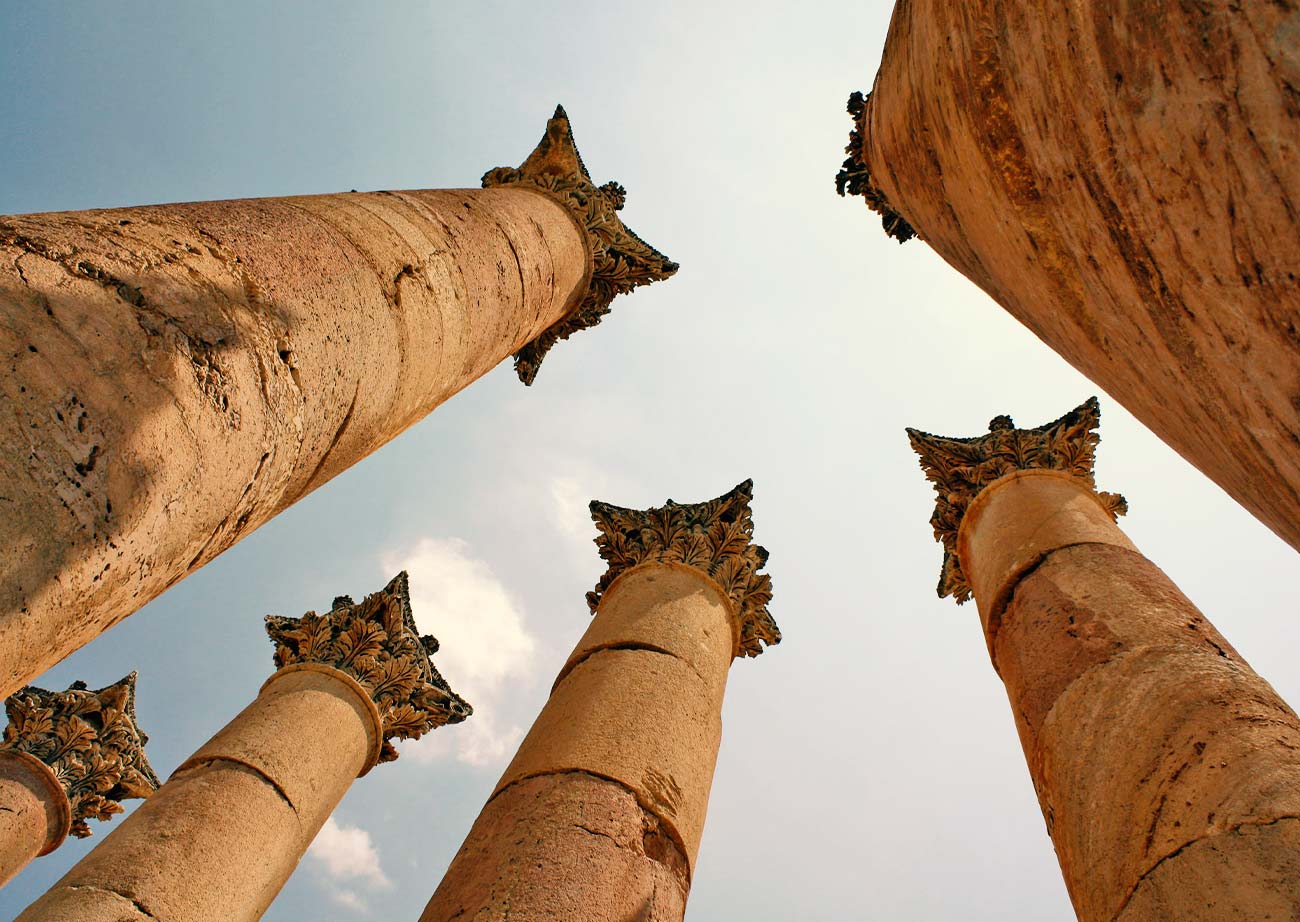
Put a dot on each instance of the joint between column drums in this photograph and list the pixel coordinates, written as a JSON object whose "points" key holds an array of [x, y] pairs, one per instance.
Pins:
{"points": [[629, 645], [589, 271], [733, 610], [58, 798], [664, 821], [1008, 589], [368, 704]]}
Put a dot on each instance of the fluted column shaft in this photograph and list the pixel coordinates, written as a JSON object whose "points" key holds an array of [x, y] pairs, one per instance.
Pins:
{"points": [[35, 815], [1124, 179], [179, 374], [221, 837], [1167, 770], [599, 816]]}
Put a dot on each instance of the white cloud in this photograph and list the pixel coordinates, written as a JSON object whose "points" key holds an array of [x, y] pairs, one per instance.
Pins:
{"points": [[345, 853], [348, 898], [484, 643]]}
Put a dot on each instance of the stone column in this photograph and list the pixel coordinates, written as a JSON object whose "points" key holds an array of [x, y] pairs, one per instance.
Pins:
{"points": [[599, 816], [1167, 770], [221, 837], [1124, 179], [177, 375], [66, 757]]}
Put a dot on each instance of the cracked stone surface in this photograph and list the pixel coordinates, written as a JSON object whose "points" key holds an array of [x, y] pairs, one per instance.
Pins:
{"points": [[1164, 765], [564, 847], [177, 375], [1124, 179]]}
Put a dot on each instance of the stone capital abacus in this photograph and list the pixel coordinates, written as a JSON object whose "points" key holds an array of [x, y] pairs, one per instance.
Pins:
{"points": [[90, 743], [962, 468], [713, 537], [620, 260], [376, 643]]}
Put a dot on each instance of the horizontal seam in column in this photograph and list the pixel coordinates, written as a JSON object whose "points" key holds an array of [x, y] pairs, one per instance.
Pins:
{"points": [[664, 821], [1188, 844], [628, 645], [270, 782], [995, 618], [139, 907]]}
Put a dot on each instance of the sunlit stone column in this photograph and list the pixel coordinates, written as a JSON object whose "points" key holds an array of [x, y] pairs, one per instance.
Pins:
{"points": [[1124, 179], [221, 837], [177, 375], [66, 757], [599, 816], [1167, 770]]}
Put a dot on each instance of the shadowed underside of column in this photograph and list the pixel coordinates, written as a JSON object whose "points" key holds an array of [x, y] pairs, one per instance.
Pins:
{"points": [[1125, 180], [177, 375]]}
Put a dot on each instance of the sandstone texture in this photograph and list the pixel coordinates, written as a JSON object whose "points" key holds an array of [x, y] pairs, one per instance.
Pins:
{"points": [[1167, 770], [221, 837], [34, 813], [565, 847], [599, 816], [177, 375], [1124, 179]]}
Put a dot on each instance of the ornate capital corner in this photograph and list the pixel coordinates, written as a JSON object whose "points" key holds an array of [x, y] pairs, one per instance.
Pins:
{"points": [[715, 537], [622, 260], [961, 468], [854, 176], [89, 739], [377, 643]]}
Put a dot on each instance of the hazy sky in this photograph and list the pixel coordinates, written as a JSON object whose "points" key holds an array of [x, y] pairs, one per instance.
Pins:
{"points": [[870, 767]]}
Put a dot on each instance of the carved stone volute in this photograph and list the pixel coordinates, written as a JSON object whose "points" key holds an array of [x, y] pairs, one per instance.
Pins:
{"points": [[377, 643], [961, 468], [622, 261], [90, 741], [715, 537]]}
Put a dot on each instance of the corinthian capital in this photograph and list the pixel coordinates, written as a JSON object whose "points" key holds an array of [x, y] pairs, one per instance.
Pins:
{"points": [[715, 537], [961, 468], [622, 260], [91, 742], [377, 643]]}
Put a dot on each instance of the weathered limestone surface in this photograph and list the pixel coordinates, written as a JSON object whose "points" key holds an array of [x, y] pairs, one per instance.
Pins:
{"points": [[599, 815], [568, 846], [221, 837], [1167, 770], [34, 812], [1123, 178], [177, 375]]}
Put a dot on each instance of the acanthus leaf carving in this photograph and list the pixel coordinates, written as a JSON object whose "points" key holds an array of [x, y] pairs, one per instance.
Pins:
{"points": [[377, 643], [854, 177], [91, 742], [715, 537], [622, 260], [960, 468]]}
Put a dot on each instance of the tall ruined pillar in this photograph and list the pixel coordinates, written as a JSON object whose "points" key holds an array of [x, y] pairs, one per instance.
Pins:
{"points": [[1124, 179], [66, 757], [221, 837], [177, 375], [599, 816], [1167, 770]]}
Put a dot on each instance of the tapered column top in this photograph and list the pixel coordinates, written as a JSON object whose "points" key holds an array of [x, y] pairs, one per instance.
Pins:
{"points": [[961, 468], [622, 260], [714, 537], [89, 740], [854, 177], [377, 643]]}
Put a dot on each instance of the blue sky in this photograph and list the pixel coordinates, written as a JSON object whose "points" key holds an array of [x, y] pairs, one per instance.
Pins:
{"points": [[869, 768]]}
